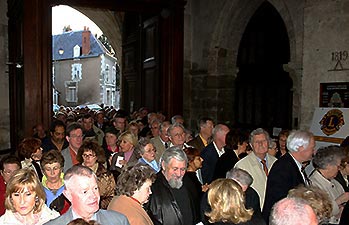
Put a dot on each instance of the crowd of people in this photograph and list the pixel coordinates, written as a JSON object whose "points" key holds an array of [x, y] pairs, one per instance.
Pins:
{"points": [[107, 167]]}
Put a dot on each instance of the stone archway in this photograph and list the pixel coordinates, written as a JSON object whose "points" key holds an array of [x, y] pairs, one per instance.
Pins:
{"points": [[263, 96], [230, 26]]}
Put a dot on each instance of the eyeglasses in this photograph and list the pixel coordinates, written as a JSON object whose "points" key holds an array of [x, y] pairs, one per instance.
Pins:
{"points": [[151, 150], [88, 155]]}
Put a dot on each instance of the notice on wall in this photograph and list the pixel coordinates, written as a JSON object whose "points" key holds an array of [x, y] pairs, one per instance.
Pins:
{"points": [[330, 125], [334, 95]]}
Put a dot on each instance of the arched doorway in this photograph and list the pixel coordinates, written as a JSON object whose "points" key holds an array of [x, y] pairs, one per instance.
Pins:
{"points": [[263, 89]]}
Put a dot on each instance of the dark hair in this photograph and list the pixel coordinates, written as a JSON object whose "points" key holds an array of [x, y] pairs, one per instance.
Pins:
{"points": [[87, 116], [9, 159], [89, 145], [80, 221], [28, 146], [133, 177], [203, 120], [191, 153], [73, 126], [234, 138], [52, 156], [345, 142], [56, 123]]}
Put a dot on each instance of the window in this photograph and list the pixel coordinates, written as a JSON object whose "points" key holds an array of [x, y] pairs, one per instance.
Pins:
{"points": [[76, 72], [113, 79], [71, 91], [76, 51], [107, 73]]}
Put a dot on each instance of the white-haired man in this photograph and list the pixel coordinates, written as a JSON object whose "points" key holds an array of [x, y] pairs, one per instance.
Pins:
{"points": [[287, 172], [81, 190]]}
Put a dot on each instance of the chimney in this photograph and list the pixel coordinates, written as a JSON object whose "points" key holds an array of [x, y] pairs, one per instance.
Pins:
{"points": [[86, 46]]}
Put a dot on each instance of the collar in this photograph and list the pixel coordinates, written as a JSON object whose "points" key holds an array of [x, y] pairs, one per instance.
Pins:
{"points": [[299, 165], [44, 180], [76, 216], [204, 141], [219, 152]]}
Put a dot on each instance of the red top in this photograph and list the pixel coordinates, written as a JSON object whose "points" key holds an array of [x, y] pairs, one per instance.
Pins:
{"points": [[2, 195]]}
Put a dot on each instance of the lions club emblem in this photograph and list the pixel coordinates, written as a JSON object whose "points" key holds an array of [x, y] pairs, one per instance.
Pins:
{"points": [[332, 121]]}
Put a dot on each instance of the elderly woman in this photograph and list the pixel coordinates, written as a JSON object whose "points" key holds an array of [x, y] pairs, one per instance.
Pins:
{"points": [[30, 152], [52, 163], [326, 163], [25, 201], [147, 152], [226, 199], [133, 190], [128, 154], [90, 154], [317, 199]]}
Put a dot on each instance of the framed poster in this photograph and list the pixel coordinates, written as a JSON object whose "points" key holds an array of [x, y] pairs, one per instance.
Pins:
{"points": [[334, 95]]}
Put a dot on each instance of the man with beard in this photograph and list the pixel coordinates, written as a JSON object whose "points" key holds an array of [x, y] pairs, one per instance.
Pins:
{"points": [[57, 139], [171, 202]]}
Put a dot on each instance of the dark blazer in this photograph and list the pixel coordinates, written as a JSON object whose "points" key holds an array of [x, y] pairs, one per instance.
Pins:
{"points": [[197, 143], [341, 180], [283, 176], [345, 215], [210, 156], [105, 217], [225, 163]]}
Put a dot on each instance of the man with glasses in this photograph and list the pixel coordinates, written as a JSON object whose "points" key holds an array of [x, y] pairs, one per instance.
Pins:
{"points": [[74, 137], [258, 162]]}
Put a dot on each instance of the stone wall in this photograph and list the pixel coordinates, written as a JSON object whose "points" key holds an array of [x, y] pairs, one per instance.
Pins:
{"points": [[213, 30], [4, 81], [325, 32]]}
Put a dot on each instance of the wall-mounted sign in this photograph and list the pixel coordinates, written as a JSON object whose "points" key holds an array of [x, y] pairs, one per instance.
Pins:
{"points": [[334, 95], [338, 58]]}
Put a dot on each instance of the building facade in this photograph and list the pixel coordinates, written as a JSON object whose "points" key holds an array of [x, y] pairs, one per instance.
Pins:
{"points": [[84, 72]]}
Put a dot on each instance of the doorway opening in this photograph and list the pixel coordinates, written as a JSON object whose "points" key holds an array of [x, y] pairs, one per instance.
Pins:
{"points": [[263, 89]]}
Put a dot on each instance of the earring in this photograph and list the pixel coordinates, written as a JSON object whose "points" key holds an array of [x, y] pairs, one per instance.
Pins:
{"points": [[36, 198]]}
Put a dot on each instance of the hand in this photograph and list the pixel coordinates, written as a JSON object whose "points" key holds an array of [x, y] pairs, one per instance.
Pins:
{"points": [[343, 198], [204, 187]]}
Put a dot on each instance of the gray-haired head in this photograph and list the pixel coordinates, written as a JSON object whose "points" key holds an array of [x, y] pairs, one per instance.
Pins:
{"points": [[175, 152], [77, 170], [176, 119], [298, 138], [218, 128], [143, 141], [241, 176], [171, 127], [325, 156], [292, 211], [259, 131]]}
